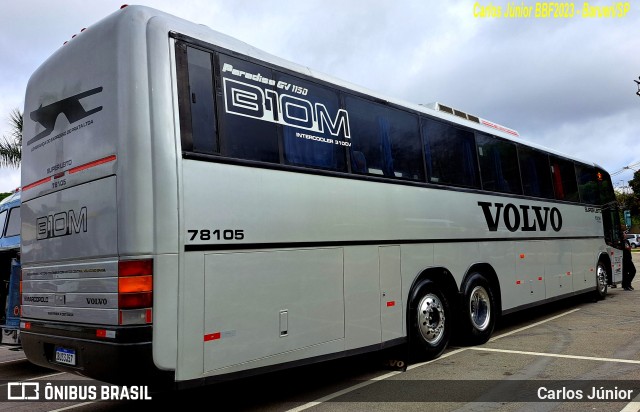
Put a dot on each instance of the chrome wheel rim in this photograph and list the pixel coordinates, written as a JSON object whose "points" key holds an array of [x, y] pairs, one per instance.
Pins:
{"points": [[431, 319], [601, 274], [479, 308]]}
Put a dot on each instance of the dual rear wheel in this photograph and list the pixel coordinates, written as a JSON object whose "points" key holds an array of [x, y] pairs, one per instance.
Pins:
{"points": [[433, 317]]}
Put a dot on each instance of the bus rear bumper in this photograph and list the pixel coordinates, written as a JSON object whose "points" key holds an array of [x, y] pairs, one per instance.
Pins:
{"points": [[122, 362]]}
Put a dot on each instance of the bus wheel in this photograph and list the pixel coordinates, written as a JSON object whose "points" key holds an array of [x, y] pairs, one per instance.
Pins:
{"points": [[601, 280], [479, 310], [430, 321]]}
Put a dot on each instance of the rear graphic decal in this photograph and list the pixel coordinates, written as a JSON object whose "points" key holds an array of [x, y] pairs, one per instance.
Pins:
{"points": [[70, 107]]}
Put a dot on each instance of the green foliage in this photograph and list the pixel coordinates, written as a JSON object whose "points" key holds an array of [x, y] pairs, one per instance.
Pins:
{"points": [[634, 184], [3, 195], [11, 146], [631, 201]]}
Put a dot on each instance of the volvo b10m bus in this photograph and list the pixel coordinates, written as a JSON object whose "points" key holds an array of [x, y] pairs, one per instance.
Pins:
{"points": [[197, 209]]}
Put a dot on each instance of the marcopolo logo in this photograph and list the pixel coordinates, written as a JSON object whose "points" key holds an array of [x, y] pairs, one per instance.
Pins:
{"points": [[525, 218], [35, 299]]}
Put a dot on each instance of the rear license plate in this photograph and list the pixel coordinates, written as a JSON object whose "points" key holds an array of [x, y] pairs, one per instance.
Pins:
{"points": [[66, 356]]}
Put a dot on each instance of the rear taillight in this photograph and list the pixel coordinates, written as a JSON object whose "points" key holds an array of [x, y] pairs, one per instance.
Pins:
{"points": [[135, 291], [20, 293]]}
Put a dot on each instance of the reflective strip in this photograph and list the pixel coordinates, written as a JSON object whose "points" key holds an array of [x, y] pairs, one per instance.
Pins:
{"points": [[92, 164], [39, 182], [72, 170]]}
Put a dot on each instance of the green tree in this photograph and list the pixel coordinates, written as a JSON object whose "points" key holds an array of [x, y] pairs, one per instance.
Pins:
{"points": [[11, 146], [633, 203], [634, 183]]}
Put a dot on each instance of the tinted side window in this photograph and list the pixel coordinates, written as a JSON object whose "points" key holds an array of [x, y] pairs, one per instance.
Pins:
{"points": [[565, 186], [606, 193], [535, 172], [498, 165], [587, 184], [196, 103], [3, 219], [450, 154], [246, 111], [314, 129], [13, 225], [384, 141], [203, 122]]}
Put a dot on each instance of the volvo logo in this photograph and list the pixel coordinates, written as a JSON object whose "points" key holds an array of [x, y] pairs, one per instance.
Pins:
{"points": [[524, 218]]}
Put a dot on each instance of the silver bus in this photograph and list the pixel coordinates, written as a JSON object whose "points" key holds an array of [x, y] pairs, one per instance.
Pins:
{"points": [[196, 209]]}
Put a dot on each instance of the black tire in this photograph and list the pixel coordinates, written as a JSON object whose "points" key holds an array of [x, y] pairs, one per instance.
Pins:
{"points": [[478, 310], [430, 319], [602, 274]]}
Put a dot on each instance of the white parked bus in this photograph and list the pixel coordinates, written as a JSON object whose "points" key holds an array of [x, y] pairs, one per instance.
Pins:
{"points": [[196, 209]]}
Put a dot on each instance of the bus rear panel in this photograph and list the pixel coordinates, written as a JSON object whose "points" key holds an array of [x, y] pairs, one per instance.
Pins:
{"points": [[90, 262]]}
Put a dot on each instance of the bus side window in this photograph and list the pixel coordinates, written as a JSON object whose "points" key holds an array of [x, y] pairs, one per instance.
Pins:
{"points": [[535, 172], [247, 111], [587, 184], [565, 185], [498, 164], [605, 189], [203, 121], [384, 141], [450, 154], [13, 224], [3, 218], [315, 130], [195, 100]]}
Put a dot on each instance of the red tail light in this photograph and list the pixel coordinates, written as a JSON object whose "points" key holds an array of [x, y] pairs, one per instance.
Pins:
{"points": [[135, 267], [135, 291]]}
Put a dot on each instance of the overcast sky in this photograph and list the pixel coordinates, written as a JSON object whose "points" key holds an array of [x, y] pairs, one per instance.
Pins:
{"points": [[563, 83]]}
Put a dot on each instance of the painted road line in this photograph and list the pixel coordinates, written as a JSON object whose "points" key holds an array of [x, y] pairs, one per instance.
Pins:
{"points": [[342, 392], [533, 325], [414, 366], [66, 408], [13, 360], [556, 355]]}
